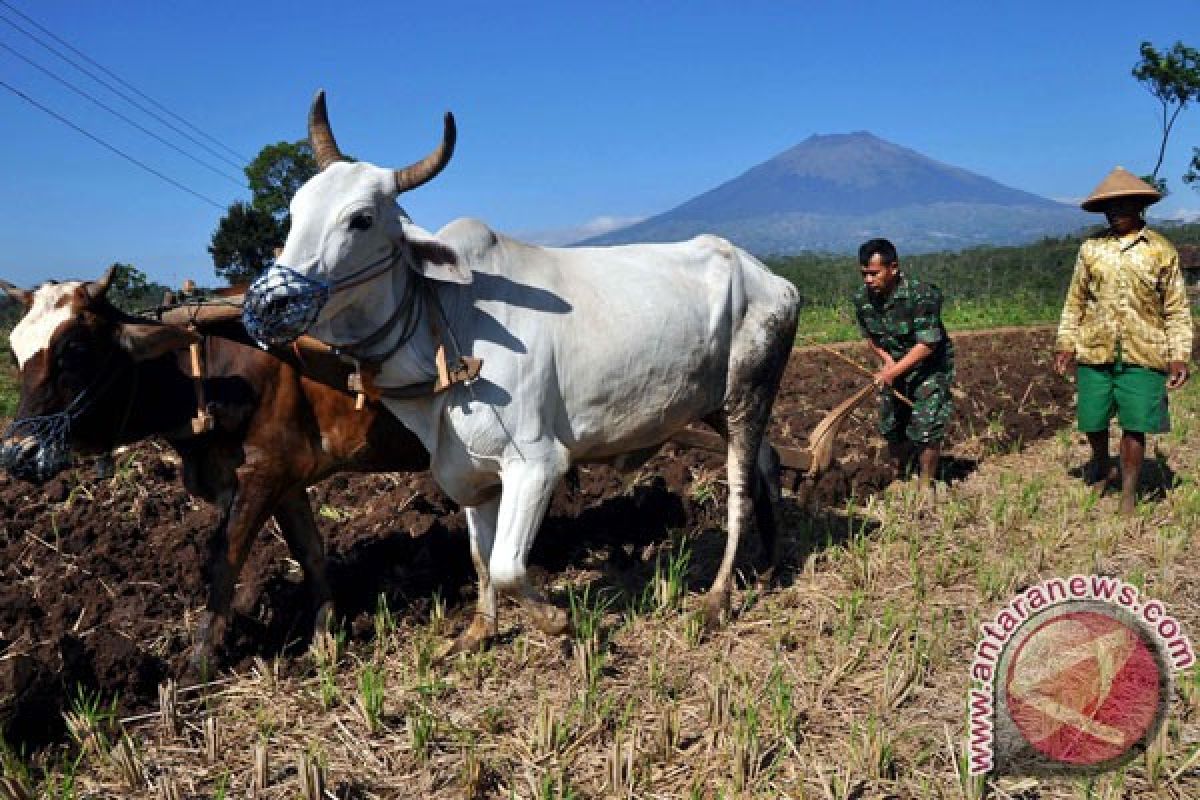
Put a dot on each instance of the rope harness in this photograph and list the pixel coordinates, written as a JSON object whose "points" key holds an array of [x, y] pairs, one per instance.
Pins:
{"points": [[52, 432], [363, 380], [281, 305], [204, 420]]}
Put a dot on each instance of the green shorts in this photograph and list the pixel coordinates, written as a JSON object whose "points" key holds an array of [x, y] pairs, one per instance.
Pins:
{"points": [[925, 422], [1138, 396]]}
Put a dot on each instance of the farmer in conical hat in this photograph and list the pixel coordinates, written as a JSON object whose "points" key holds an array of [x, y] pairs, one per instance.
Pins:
{"points": [[900, 318], [1127, 325]]}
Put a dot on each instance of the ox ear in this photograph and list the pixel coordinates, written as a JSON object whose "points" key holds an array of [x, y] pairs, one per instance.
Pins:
{"points": [[22, 296], [146, 341], [439, 263], [435, 259]]}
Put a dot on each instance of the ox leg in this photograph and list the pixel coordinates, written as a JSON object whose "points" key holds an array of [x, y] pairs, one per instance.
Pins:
{"points": [[527, 488], [742, 477], [247, 513], [766, 490], [766, 503], [481, 524], [299, 528], [747, 413]]}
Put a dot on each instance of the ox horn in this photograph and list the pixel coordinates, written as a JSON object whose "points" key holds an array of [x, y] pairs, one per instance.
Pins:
{"points": [[22, 296], [320, 135], [97, 289], [428, 168]]}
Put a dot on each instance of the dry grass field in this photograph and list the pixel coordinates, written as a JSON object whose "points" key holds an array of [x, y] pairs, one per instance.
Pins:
{"points": [[846, 679]]}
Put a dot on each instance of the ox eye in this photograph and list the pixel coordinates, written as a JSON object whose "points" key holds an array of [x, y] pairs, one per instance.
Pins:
{"points": [[361, 221], [73, 353]]}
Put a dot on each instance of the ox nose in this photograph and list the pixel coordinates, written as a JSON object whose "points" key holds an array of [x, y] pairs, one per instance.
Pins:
{"points": [[20, 456], [35, 449], [281, 304], [14, 449]]}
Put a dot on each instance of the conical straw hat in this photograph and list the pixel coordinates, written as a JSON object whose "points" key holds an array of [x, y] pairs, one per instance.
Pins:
{"points": [[1120, 183]]}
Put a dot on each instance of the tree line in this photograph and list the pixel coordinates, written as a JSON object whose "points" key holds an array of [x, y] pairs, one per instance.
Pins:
{"points": [[1039, 272]]}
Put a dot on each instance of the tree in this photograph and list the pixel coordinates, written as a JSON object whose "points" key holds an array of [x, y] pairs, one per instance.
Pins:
{"points": [[246, 237], [131, 290], [244, 243], [1173, 77], [276, 173], [1192, 176]]}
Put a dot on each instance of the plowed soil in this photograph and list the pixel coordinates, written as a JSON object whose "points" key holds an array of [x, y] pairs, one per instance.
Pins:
{"points": [[102, 578]]}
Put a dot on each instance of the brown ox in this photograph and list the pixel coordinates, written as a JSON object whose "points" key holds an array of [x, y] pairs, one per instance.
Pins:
{"points": [[93, 378]]}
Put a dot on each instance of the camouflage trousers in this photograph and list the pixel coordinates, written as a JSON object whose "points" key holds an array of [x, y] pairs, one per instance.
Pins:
{"points": [[932, 403]]}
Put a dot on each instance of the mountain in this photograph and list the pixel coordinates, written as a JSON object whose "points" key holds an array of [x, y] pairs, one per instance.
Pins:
{"points": [[832, 192]]}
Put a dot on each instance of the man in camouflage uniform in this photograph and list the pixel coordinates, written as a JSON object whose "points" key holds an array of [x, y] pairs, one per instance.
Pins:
{"points": [[901, 319], [1127, 323]]}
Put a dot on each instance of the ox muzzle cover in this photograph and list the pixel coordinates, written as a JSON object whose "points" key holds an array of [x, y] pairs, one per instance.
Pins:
{"points": [[36, 449], [281, 304]]}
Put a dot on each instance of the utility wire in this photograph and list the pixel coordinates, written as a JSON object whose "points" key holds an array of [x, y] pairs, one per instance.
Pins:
{"points": [[121, 81], [124, 96], [105, 144], [119, 115]]}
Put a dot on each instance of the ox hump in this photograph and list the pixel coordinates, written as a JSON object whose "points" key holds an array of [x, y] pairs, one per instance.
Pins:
{"points": [[717, 244], [52, 306], [468, 236]]}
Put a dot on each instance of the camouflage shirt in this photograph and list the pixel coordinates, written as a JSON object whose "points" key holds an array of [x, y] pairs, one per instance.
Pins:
{"points": [[912, 314], [1127, 293]]}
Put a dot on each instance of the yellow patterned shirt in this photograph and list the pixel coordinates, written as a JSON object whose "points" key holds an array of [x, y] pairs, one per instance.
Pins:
{"points": [[1127, 293]]}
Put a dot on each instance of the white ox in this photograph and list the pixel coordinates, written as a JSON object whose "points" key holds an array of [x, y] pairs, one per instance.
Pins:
{"points": [[588, 354]]}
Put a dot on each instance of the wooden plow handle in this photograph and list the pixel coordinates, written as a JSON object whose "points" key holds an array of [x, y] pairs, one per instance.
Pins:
{"points": [[812, 460], [864, 371]]}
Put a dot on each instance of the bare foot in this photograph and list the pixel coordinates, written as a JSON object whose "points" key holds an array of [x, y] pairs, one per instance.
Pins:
{"points": [[1128, 502], [1101, 475]]}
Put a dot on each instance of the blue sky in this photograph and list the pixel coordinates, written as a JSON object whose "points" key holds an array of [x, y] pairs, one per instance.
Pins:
{"points": [[568, 113]]}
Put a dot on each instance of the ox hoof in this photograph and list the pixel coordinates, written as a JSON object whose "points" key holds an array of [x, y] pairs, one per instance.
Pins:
{"points": [[475, 639], [549, 619], [210, 632], [202, 661], [465, 642], [714, 609], [323, 622]]}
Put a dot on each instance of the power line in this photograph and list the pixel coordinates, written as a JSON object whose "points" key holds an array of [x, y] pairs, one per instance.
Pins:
{"points": [[121, 94], [119, 115], [120, 80], [105, 144]]}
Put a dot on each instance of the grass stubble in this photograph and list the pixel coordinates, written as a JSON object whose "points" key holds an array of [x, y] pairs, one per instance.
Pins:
{"points": [[847, 680]]}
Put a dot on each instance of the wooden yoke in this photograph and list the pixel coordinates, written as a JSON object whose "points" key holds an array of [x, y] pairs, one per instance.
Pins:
{"points": [[468, 367], [362, 380], [362, 383], [203, 422]]}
